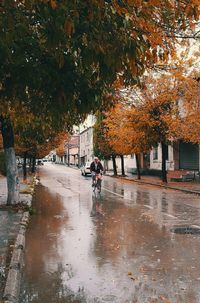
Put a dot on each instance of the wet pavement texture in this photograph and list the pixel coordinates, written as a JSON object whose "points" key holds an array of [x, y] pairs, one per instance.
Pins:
{"points": [[117, 247], [10, 218], [9, 227]]}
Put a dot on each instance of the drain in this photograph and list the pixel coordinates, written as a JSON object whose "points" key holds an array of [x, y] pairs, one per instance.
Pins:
{"points": [[191, 229]]}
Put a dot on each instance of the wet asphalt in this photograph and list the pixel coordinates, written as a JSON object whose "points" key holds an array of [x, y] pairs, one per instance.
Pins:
{"points": [[131, 244]]}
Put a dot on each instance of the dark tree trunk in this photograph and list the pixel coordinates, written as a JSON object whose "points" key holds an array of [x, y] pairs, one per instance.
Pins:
{"points": [[11, 165], [164, 158], [24, 166], [30, 164], [114, 165], [122, 165], [137, 157], [33, 165]]}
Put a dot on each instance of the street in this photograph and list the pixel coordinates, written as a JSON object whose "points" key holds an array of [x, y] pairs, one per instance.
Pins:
{"points": [[117, 247]]}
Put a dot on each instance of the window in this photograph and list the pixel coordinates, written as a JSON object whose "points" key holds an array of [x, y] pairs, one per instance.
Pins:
{"points": [[155, 152]]}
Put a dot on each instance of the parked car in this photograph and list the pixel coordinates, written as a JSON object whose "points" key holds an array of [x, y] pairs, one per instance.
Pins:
{"points": [[40, 162], [85, 169]]}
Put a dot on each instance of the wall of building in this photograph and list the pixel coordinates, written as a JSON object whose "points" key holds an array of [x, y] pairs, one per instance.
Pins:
{"points": [[60, 159], [156, 163], [129, 164], [86, 145]]}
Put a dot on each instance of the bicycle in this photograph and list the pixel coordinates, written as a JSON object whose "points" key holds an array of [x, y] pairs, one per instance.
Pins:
{"points": [[97, 179]]}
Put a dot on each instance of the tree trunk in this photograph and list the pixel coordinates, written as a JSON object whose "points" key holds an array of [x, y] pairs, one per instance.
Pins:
{"points": [[11, 165], [138, 166], [24, 166], [105, 166], [33, 165], [30, 164], [122, 165], [114, 165], [164, 158]]}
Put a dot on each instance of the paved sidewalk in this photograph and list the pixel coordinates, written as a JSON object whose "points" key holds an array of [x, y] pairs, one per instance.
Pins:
{"points": [[10, 219], [189, 186]]}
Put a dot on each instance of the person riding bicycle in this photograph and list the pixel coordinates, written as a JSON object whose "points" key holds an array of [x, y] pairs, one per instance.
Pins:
{"points": [[96, 168]]}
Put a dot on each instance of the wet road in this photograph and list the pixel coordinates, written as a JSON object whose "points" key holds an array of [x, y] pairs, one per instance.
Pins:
{"points": [[115, 248]]}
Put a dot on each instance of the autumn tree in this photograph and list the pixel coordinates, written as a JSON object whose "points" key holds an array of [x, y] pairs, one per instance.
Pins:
{"points": [[171, 105], [61, 57], [187, 127], [60, 148], [165, 110], [101, 145], [37, 135], [122, 136]]}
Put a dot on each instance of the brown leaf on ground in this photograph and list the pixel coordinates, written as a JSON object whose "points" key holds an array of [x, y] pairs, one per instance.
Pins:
{"points": [[164, 299], [142, 269]]}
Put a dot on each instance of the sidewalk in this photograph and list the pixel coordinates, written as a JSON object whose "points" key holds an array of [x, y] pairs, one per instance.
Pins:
{"points": [[189, 186], [10, 225]]}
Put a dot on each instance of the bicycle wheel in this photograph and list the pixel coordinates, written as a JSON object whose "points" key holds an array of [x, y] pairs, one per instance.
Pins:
{"points": [[99, 185], [94, 185]]}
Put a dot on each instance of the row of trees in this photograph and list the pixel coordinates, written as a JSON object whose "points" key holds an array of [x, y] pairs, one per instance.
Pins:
{"points": [[35, 136], [165, 110], [58, 59]]}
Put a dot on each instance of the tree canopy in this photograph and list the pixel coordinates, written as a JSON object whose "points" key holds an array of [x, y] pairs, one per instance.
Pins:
{"points": [[166, 109], [62, 56]]}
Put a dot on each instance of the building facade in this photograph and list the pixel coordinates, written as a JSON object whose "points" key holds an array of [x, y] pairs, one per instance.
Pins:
{"points": [[72, 151], [181, 156], [86, 145]]}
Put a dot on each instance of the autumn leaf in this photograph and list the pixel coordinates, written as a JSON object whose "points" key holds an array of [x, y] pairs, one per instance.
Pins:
{"points": [[164, 299], [69, 27], [53, 4]]}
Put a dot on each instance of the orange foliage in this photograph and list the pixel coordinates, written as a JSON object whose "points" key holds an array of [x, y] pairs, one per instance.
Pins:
{"points": [[188, 127], [166, 109], [35, 135], [61, 141], [126, 130], [152, 25]]}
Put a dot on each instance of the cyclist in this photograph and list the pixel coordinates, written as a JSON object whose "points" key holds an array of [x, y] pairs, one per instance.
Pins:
{"points": [[96, 168]]}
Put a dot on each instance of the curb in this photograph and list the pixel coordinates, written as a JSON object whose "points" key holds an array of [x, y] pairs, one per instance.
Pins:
{"points": [[187, 191], [12, 287]]}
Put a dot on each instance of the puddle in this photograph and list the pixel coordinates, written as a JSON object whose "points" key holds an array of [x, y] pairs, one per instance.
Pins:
{"points": [[192, 230]]}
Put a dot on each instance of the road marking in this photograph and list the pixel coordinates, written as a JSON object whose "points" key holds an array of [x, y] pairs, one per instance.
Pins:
{"points": [[148, 206], [171, 216], [112, 192]]}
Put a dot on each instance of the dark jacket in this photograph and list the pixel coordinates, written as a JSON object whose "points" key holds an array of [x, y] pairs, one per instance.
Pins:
{"points": [[96, 169]]}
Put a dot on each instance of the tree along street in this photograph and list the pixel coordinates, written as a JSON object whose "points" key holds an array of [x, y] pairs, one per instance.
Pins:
{"points": [[59, 61], [118, 247]]}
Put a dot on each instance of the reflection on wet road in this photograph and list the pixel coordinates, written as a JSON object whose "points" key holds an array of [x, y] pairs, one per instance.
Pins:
{"points": [[117, 247]]}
